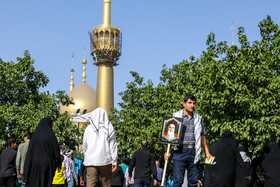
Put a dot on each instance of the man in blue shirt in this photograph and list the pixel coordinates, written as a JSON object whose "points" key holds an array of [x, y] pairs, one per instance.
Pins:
{"points": [[159, 173], [187, 155]]}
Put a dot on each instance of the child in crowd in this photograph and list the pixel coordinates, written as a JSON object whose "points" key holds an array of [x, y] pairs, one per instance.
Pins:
{"points": [[73, 174], [58, 179]]}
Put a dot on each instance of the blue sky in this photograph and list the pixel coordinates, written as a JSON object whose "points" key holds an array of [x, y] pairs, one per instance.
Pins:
{"points": [[155, 32]]}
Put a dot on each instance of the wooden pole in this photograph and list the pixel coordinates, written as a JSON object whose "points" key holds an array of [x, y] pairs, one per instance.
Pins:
{"points": [[165, 166]]}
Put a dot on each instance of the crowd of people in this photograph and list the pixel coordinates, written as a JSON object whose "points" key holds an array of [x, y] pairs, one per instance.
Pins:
{"points": [[41, 162]]}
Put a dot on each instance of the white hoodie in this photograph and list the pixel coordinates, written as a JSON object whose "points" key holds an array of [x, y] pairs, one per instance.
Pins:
{"points": [[99, 143]]}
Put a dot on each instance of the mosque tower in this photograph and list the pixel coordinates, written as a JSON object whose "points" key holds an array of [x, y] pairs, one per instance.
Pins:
{"points": [[83, 95], [72, 74], [106, 50]]}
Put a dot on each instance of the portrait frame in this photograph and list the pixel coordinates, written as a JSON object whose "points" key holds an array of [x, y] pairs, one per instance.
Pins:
{"points": [[171, 130]]}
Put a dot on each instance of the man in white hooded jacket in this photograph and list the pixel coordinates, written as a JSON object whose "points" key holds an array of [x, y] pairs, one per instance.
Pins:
{"points": [[99, 147]]}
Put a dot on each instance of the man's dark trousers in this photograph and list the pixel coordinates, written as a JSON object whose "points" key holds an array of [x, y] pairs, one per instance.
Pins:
{"points": [[142, 182], [184, 159]]}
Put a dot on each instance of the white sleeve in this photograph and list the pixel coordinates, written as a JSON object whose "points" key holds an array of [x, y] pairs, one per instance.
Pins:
{"points": [[85, 145], [126, 173], [113, 144], [126, 177]]}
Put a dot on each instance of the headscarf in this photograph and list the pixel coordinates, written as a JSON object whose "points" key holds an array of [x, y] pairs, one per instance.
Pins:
{"points": [[243, 154], [98, 119], [271, 164], [42, 156], [69, 153]]}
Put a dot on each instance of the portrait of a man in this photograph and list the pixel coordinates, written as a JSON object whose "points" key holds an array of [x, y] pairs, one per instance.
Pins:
{"points": [[170, 134], [171, 130]]}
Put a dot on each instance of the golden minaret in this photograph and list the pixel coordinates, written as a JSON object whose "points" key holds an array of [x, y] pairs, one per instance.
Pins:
{"points": [[106, 50], [84, 67], [72, 74], [72, 78]]}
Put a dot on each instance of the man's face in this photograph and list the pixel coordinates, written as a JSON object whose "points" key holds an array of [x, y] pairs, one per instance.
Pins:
{"points": [[189, 106], [171, 128]]}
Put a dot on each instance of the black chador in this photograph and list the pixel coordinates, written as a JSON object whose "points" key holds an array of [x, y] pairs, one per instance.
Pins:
{"points": [[226, 157], [42, 157], [271, 165]]}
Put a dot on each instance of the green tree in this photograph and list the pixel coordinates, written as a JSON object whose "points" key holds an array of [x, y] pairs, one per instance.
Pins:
{"points": [[237, 88], [22, 105]]}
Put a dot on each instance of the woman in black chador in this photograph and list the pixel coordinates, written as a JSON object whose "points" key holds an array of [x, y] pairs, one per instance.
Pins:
{"points": [[271, 166], [222, 174], [241, 180], [42, 157]]}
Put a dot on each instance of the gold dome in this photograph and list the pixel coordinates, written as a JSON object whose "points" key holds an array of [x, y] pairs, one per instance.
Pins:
{"points": [[84, 97]]}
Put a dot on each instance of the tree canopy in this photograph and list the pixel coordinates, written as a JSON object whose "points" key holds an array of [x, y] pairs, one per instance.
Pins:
{"points": [[237, 88], [23, 105]]}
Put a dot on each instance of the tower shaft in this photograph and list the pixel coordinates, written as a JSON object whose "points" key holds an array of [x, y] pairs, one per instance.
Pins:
{"points": [[72, 78], [105, 88]]}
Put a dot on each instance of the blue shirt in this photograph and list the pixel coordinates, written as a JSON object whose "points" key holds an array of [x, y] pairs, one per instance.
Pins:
{"points": [[188, 137], [124, 167], [159, 173]]}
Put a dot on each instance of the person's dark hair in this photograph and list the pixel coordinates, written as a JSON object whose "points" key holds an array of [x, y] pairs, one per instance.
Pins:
{"points": [[28, 135], [144, 144], [189, 96], [11, 141], [123, 159]]}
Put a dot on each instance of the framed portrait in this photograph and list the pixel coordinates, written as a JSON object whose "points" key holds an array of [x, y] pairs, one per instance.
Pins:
{"points": [[171, 130]]}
